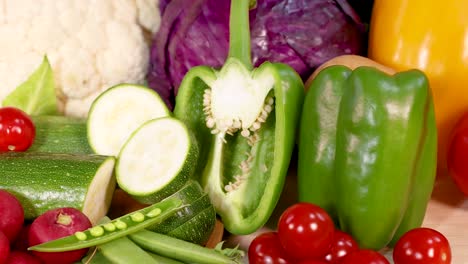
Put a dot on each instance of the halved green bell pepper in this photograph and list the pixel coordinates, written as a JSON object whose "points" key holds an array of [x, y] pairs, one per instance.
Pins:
{"points": [[368, 151], [245, 122]]}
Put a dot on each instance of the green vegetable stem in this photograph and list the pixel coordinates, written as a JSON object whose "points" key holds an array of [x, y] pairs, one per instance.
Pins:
{"points": [[245, 120], [367, 151]]}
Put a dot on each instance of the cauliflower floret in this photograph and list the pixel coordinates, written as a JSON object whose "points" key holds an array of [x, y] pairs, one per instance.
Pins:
{"points": [[91, 45]]}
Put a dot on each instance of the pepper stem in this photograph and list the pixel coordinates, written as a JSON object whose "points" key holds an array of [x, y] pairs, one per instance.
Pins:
{"points": [[239, 32]]}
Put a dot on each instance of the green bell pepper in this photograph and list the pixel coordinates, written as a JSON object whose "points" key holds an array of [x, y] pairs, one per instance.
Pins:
{"points": [[245, 121], [368, 151]]}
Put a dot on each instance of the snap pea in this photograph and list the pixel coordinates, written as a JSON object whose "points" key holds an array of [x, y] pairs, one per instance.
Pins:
{"points": [[184, 251], [163, 260], [121, 250], [124, 251], [125, 225], [95, 258]]}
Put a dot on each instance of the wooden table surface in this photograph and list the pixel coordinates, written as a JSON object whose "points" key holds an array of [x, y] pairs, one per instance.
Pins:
{"points": [[447, 212]]}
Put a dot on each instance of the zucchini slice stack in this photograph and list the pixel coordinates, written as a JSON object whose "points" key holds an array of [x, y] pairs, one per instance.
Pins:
{"points": [[156, 156]]}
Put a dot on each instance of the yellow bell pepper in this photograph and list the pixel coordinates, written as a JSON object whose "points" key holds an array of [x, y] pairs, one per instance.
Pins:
{"points": [[430, 35]]}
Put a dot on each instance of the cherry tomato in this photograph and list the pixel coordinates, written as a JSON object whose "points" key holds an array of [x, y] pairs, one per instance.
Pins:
{"points": [[458, 155], [17, 130], [422, 245], [342, 245], [365, 256], [266, 249], [306, 231], [312, 261]]}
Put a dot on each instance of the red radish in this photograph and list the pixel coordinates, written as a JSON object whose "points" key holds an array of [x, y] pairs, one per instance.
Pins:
{"points": [[21, 257], [4, 248], [21, 242], [57, 223], [12, 215]]}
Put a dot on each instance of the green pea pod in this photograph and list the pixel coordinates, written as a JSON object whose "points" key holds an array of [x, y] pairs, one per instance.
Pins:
{"points": [[374, 172], [245, 123], [116, 228]]}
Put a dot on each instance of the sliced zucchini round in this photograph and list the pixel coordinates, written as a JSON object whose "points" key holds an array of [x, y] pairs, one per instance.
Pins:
{"points": [[117, 112], [157, 160]]}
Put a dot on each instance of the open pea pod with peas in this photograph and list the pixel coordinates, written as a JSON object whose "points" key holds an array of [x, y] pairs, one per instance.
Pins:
{"points": [[245, 120], [117, 228]]}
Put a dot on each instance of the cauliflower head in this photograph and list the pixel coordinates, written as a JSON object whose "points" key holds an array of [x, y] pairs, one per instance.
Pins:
{"points": [[91, 45]]}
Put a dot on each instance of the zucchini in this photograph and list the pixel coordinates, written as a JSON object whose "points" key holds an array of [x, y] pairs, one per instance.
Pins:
{"points": [[195, 221], [117, 112], [43, 181], [60, 134], [198, 229], [157, 160]]}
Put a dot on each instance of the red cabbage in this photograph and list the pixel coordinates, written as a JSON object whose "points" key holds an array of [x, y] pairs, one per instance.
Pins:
{"points": [[162, 5], [301, 33]]}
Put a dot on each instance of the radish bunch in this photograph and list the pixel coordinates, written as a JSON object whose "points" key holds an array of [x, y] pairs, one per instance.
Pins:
{"points": [[16, 236]]}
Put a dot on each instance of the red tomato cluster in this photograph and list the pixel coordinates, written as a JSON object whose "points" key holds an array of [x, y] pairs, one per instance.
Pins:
{"points": [[306, 235], [17, 131]]}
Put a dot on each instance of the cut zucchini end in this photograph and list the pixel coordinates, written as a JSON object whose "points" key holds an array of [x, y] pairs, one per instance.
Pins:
{"points": [[117, 112], [157, 160], [99, 195]]}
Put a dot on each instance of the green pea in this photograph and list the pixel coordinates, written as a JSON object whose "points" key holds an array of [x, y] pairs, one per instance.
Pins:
{"points": [[137, 217], [80, 235], [120, 224], [153, 213], [96, 231], [109, 227]]}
